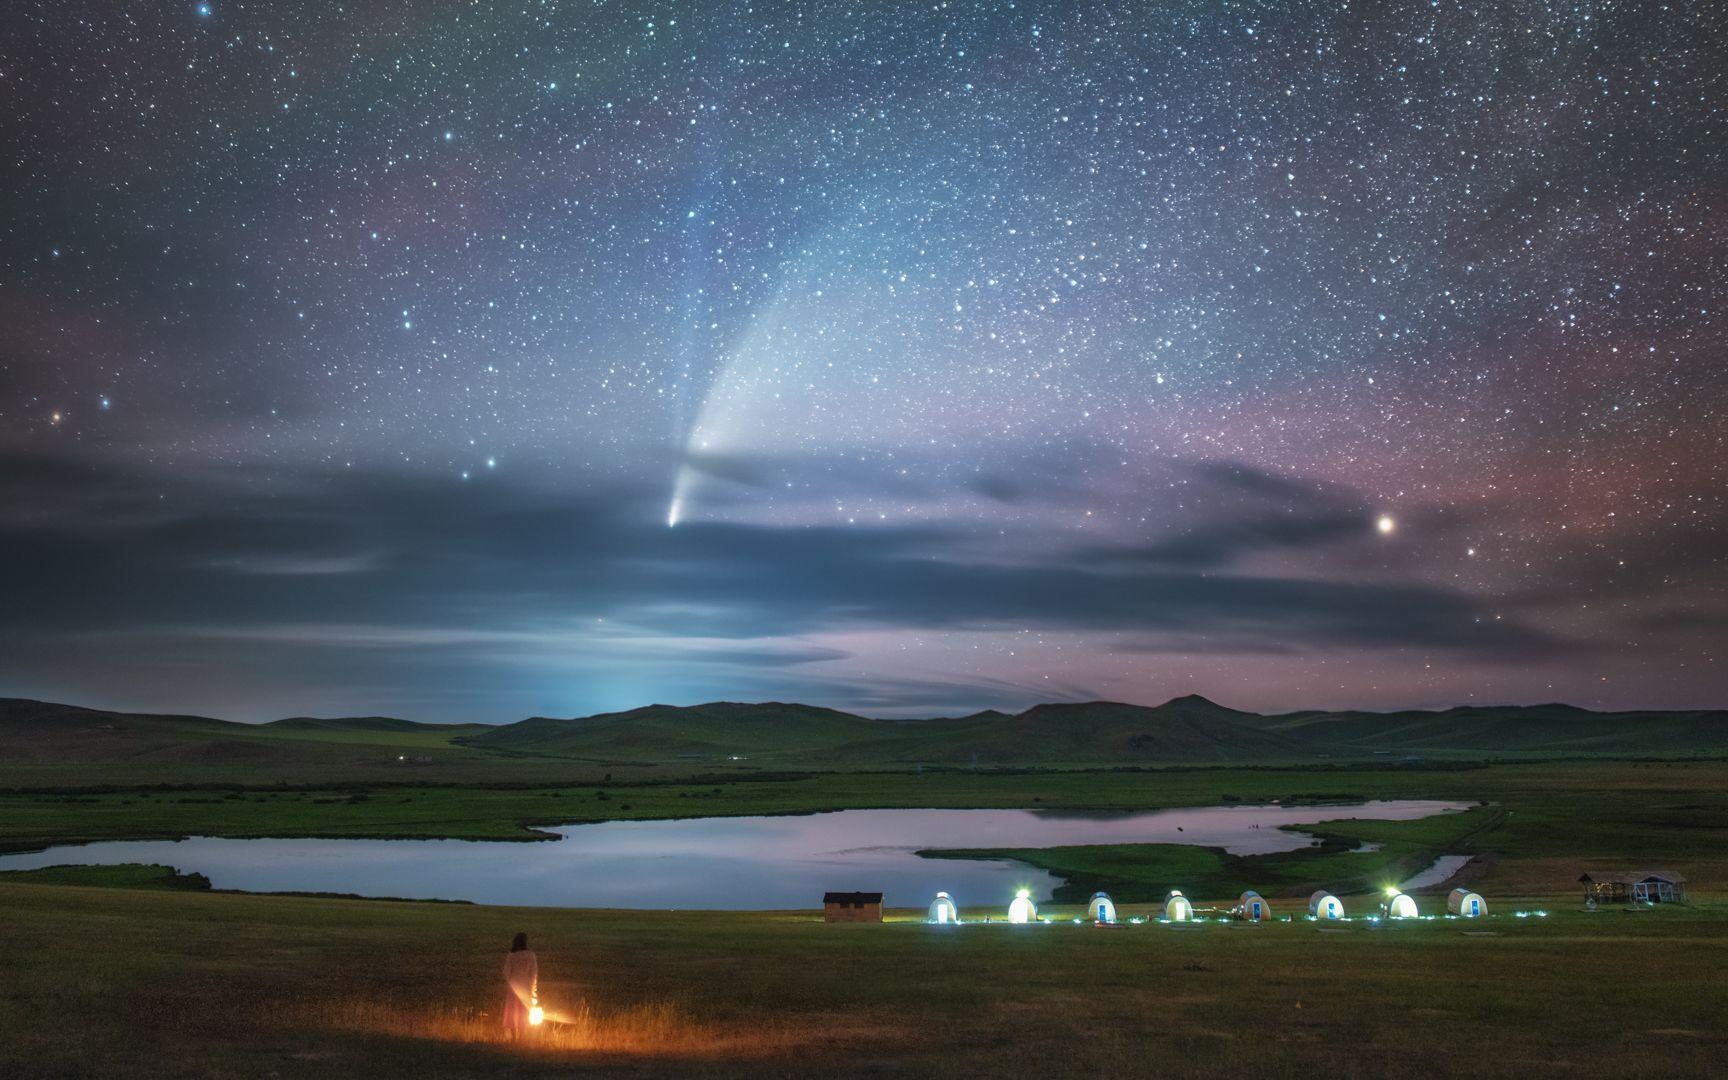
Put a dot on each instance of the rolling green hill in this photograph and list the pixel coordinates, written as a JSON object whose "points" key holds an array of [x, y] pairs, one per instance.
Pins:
{"points": [[1549, 729], [1185, 731], [376, 730], [44, 733], [718, 730]]}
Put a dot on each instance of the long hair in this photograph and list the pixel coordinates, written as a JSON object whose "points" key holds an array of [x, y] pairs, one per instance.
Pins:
{"points": [[519, 942]]}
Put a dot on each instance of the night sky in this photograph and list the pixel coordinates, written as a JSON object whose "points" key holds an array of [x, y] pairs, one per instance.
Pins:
{"points": [[465, 361]]}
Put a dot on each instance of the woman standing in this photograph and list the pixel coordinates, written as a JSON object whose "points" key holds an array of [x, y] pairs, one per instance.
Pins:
{"points": [[522, 978]]}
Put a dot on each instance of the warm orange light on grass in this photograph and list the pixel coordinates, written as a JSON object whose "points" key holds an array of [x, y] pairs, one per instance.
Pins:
{"points": [[658, 1029], [536, 1016]]}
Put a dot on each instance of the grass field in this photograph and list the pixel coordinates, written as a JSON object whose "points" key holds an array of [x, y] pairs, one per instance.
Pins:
{"points": [[137, 983], [143, 972]]}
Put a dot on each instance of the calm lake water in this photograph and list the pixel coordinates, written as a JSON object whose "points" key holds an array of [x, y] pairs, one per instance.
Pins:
{"points": [[736, 863], [1444, 867]]}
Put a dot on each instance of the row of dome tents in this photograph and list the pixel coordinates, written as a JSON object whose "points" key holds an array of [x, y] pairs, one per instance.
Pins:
{"points": [[1399, 905], [943, 910], [1250, 907]]}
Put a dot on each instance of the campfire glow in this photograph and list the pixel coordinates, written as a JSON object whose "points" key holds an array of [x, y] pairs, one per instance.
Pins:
{"points": [[653, 1029]]}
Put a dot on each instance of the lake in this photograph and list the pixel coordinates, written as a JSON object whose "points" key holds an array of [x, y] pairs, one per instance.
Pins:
{"points": [[723, 863]]}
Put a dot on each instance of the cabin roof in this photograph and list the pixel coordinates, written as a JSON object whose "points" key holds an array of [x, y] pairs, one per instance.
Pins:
{"points": [[852, 898], [1631, 877]]}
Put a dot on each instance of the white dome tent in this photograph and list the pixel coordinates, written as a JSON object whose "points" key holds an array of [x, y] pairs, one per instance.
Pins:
{"points": [[1177, 908], [1102, 909], [1022, 910], [1323, 905], [1400, 905], [1466, 903], [943, 909], [1252, 907]]}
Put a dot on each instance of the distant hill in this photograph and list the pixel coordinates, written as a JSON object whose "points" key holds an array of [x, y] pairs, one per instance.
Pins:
{"points": [[721, 729], [1187, 730], [360, 723], [1551, 728], [40, 732], [1184, 731]]}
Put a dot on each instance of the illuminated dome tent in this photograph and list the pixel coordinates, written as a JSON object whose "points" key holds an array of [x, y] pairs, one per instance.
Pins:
{"points": [[1102, 908], [1252, 907], [1323, 905], [1177, 908], [942, 909], [1022, 910], [1466, 903], [1399, 906]]}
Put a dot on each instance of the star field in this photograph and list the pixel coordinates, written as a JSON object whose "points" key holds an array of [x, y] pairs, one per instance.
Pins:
{"points": [[359, 357]]}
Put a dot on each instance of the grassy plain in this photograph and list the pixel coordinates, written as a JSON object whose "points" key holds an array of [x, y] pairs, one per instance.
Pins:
{"points": [[136, 971], [136, 983]]}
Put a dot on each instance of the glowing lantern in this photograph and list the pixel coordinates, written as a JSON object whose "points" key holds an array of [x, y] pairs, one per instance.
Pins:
{"points": [[1022, 910], [536, 1016]]}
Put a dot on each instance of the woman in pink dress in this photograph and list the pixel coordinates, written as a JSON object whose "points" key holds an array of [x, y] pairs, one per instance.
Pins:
{"points": [[522, 978]]}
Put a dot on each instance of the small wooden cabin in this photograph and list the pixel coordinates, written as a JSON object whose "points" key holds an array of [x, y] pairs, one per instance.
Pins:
{"points": [[852, 907], [1466, 903], [1634, 886]]}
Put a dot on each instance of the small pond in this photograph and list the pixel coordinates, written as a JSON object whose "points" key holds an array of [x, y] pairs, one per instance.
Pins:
{"points": [[731, 863]]}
